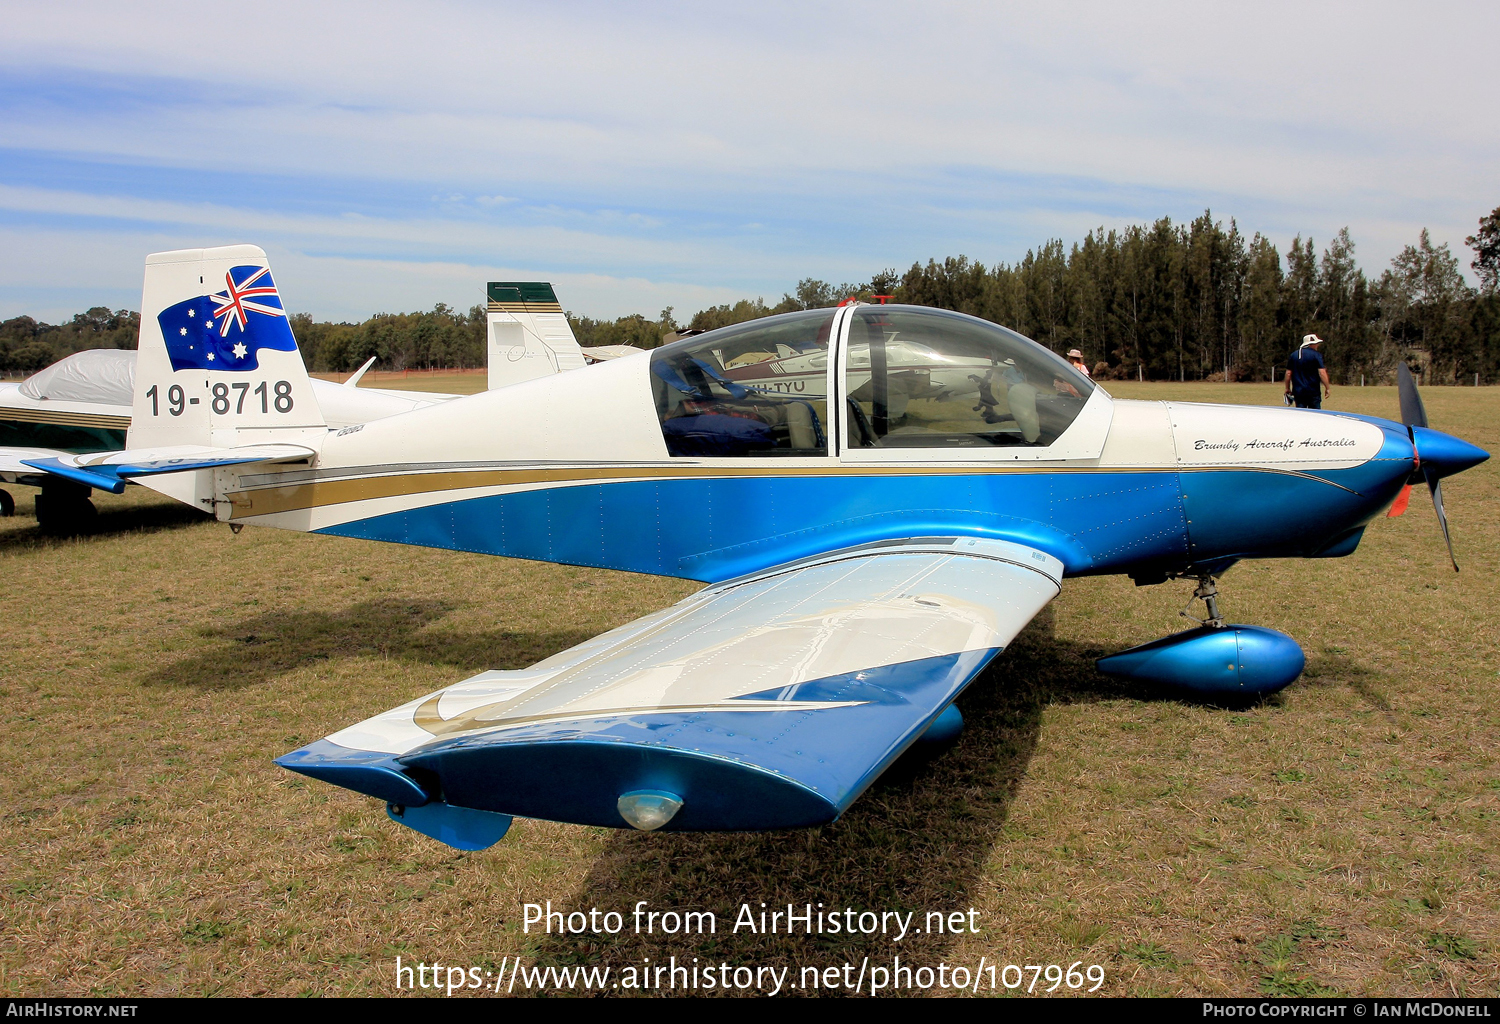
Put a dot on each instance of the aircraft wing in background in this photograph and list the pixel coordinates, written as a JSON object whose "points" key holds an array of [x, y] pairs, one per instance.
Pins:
{"points": [[14, 469]]}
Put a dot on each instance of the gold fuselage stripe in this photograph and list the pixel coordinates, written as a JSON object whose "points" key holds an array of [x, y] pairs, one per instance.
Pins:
{"points": [[57, 417], [292, 497]]}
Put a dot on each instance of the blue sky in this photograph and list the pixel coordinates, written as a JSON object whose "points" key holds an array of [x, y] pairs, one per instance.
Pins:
{"points": [[389, 155]]}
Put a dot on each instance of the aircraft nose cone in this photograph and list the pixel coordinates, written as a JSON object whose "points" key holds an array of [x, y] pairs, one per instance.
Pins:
{"points": [[1444, 453]]}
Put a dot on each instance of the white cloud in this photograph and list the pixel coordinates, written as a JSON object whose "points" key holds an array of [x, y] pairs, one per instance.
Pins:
{"points": [[741, 148], [51, 274], [386, 236]]}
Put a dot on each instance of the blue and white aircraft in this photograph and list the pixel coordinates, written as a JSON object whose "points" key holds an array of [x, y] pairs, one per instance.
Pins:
{"points": [[879, 498]]}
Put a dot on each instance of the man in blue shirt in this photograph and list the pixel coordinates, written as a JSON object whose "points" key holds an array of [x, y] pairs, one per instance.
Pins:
{"points": [[1304, 372]]}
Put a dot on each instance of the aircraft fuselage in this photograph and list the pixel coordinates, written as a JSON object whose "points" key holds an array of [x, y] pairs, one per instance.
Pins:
{"points": [[573, 469]]}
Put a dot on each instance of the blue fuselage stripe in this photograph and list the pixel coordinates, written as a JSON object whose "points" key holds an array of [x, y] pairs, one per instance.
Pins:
{"points": [[716, 528]]}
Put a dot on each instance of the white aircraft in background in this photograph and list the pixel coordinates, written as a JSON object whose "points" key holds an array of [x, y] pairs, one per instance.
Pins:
{"points": [[529, 335], [864, 559], [82, 403]]}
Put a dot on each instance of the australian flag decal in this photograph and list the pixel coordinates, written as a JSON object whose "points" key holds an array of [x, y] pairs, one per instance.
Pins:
{"points": [[227, 330]]}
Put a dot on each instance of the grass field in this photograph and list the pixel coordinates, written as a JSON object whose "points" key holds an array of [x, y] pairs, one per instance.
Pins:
{"points": [[1341, 838]]}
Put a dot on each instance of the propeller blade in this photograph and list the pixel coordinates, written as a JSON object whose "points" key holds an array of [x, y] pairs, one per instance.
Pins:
{"points": [[1399, 505], [1436, 486], [1413, 414]]}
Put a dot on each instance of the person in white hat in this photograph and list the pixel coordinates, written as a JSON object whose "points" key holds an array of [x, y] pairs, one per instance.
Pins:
{"points": [[1304, 372], [1076, 358]]}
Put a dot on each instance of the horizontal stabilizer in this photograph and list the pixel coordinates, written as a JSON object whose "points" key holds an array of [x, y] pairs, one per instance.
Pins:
{"points": [[109, 471], [354, 380]]}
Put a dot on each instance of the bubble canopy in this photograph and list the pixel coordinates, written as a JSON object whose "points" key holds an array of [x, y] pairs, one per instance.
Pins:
{"points": [[756, 388], [913, 377]]}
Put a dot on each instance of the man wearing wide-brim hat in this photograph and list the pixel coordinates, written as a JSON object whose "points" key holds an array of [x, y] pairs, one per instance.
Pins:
{"points": [[1305, 372]]}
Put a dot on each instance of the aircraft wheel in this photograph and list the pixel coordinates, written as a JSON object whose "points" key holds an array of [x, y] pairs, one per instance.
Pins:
{"points": [[64, 510], [7, 504]]}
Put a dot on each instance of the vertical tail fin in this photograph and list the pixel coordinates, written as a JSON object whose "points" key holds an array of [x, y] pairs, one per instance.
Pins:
{"points": [[529, 335], [218, 365]]}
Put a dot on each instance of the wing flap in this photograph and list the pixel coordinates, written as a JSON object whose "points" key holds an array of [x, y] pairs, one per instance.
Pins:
{"points": [[767, 702]]}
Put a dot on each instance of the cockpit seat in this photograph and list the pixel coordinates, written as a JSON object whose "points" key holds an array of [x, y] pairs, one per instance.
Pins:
{"points": [[801, 427], [716, 434]]}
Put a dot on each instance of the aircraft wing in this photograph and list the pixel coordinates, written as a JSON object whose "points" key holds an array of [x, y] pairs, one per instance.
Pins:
{"points": [[14, 469], [604, 353], [767, 702]]}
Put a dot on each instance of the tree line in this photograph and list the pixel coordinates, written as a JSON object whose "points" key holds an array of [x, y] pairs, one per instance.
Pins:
{"points": [[1163, 301], [1194, 301], [27, 345], [1198, 301]]}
